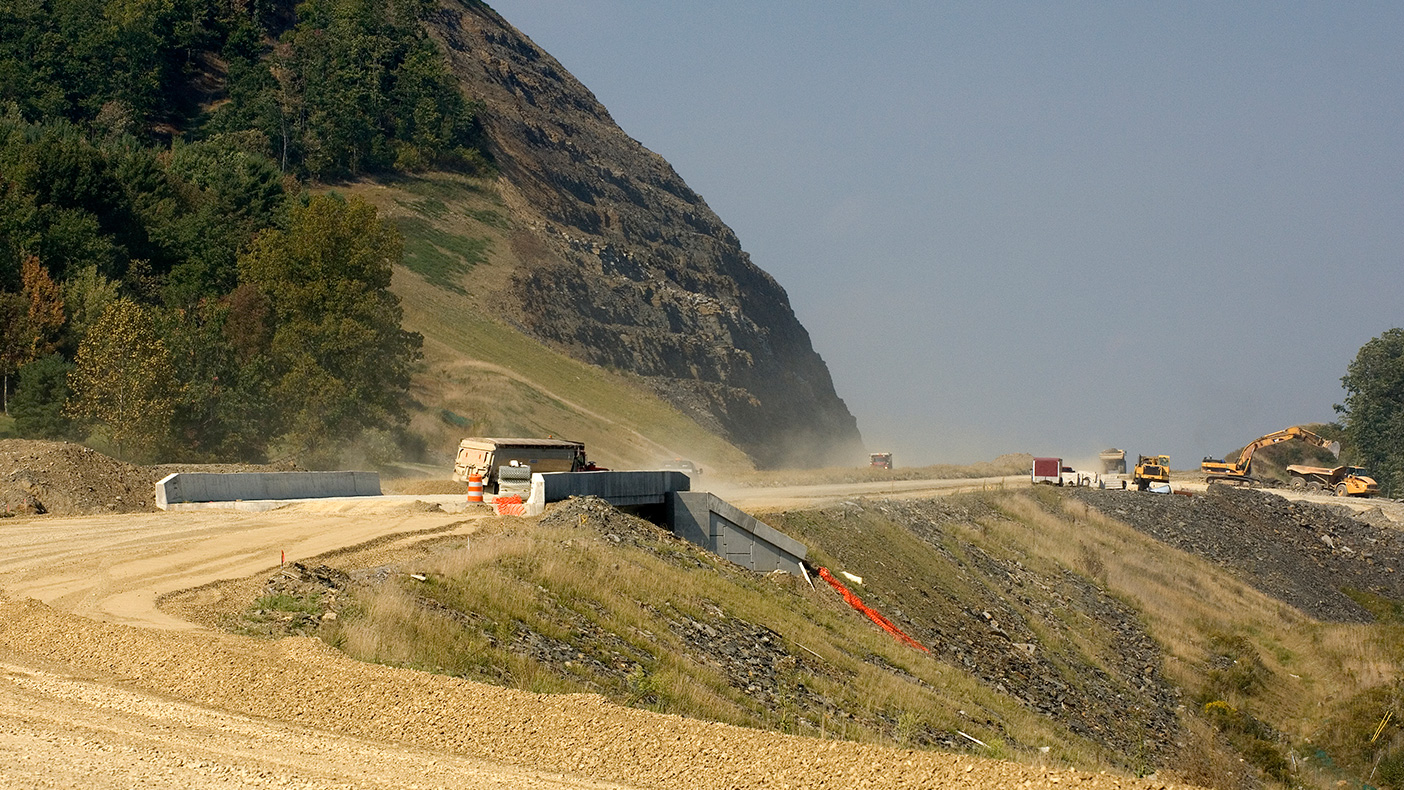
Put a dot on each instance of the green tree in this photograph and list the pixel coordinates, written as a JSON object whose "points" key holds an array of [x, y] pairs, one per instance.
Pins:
{"points": [[221, 412], [340, 360], [124, 381], [40, 399], [1373, 412], [87, 295]]}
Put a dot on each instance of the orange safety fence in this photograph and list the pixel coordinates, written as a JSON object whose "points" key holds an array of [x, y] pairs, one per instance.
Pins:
{"points": [[509, 506], [872, 614]]}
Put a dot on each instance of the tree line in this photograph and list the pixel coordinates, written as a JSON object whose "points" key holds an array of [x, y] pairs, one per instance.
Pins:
{"points": [[168, 286], [1373, 411]]}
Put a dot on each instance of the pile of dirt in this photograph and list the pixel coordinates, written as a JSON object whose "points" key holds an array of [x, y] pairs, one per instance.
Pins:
{"points": [[68, 479], [1305, 554]]}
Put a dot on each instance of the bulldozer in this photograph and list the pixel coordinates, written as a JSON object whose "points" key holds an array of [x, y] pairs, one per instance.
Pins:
{"points": [[1151, 470], [1341, 480], [1238, 472]]}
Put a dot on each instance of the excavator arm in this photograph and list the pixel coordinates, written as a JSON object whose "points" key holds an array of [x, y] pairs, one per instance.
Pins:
{"points": [[1238, 470]]}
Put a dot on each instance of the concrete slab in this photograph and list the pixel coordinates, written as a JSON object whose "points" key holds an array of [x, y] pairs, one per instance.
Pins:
{"points": [[449, 503], [183, 487]]}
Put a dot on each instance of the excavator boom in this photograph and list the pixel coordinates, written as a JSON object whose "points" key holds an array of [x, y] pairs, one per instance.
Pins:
{"points": [[1218, 469]]}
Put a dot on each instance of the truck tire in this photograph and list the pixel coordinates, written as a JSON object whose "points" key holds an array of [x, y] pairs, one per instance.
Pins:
{"points": [[1342, 490], [1297, 483], [1314, 486]]}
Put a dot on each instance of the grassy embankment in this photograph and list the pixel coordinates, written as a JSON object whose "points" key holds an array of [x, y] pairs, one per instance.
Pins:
{"points": [[1295, 698]]}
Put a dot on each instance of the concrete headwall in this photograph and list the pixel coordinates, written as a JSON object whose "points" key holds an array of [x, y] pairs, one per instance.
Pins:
{"points": [[235, 486], [617, 488], [724, 529]]}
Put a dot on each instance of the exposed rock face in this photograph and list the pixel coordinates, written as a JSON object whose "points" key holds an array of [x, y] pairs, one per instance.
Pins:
{"points": [[626, 267]]}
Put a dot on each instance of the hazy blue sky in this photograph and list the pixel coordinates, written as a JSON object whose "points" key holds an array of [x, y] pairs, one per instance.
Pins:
{"points": [[1039, 227]]}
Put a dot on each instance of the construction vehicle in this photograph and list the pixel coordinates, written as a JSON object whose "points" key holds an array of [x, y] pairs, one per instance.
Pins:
{"points": [[880, 460], [485, 456], [1151, 470], [683, 465], [1113, 461], [1341, 480], [1238, 472], [1047, 470]]}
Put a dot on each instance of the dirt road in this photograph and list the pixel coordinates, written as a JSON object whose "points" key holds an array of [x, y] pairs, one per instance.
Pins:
{"points": [[100, 688], [774, 498]]}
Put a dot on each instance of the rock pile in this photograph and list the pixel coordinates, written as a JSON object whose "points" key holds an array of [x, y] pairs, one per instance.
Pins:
{"points": [[1302, 553]]}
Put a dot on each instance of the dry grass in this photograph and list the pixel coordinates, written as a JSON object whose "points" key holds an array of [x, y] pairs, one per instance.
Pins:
{"points": [[1311, 667], [1313, 682], [555, 580]]}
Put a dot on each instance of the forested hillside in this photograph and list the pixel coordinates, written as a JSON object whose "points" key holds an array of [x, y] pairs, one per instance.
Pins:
{"points": [[169, 285]]}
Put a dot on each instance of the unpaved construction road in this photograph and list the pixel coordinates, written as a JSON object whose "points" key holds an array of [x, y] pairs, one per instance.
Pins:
{"points": [[100, 688]]}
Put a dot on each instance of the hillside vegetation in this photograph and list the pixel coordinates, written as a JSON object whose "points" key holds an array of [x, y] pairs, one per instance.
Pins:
{"points": [[255, 316]]}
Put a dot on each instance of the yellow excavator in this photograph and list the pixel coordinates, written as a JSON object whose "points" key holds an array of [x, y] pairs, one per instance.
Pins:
{"points": [[1219, 470]]}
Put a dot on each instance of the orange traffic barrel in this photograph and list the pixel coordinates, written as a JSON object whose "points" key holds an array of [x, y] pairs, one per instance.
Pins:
{"points": [[475, 488]]}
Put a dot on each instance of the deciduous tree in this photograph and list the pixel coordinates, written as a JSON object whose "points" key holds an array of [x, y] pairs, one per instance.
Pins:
{"points": [[1373, 412], [124, 380], [342, 363]]}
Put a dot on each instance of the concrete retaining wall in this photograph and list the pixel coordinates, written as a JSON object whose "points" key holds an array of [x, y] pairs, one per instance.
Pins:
{"points": [[726, 530], [621, 489], [236, 486]]}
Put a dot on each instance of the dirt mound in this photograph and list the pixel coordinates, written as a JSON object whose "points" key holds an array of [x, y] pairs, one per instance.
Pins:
{"points": [[72, 480], [1305, 554], [69, 479], [599, 515]]}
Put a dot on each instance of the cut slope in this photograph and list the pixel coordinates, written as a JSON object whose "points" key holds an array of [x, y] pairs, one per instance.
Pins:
{"points": [[483, 377], [620, 264]]}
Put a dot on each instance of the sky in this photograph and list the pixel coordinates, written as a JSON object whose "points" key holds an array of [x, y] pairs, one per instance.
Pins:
{"points": [[1048, 227]]}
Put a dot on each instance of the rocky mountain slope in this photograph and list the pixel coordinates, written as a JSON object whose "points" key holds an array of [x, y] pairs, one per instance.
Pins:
{"points": [[624, 266]]}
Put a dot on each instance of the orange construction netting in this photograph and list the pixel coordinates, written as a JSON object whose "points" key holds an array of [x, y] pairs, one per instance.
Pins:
{"points": [[872, 614]]}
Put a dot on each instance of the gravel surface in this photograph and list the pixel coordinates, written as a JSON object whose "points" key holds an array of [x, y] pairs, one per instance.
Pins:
{"points": [[209, 706]]}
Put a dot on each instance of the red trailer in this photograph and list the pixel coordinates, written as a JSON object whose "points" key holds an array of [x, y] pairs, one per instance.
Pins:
{"points": [[1048, 470]]}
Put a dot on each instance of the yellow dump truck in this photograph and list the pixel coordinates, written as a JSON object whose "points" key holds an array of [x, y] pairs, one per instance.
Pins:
{"points": [[1341, 480], [483, 456]]}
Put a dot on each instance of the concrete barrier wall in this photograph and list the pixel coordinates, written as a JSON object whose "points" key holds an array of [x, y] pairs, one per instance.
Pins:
{"points": [[724, 529], [236, 486], [617, 488]]}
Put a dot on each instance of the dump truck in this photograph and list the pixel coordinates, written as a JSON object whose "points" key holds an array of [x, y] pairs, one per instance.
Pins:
{"points": [[483, 456], [1113, 461], [1151, 470], [1217, 470], [880, 460], [1340, 480]]}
